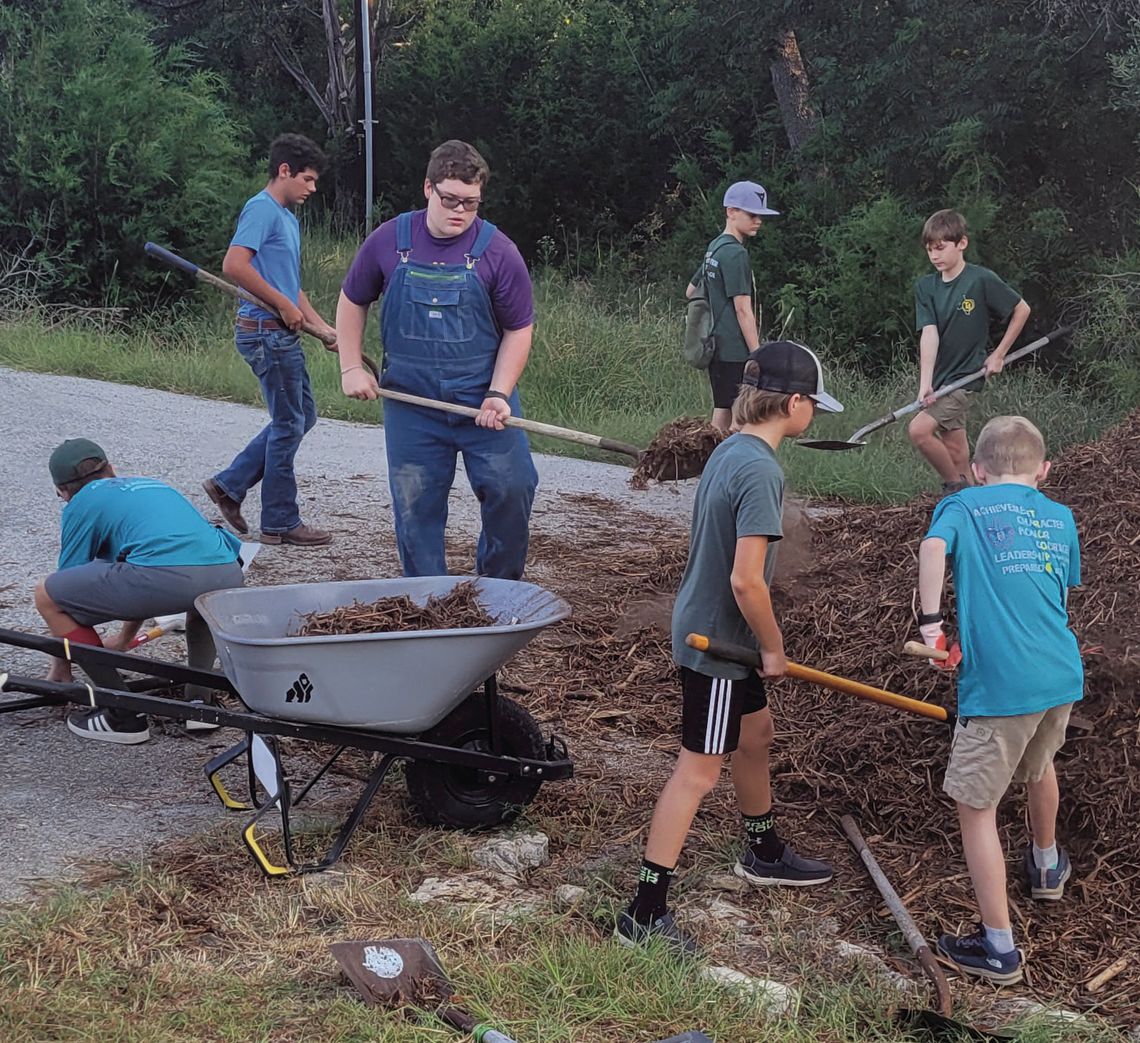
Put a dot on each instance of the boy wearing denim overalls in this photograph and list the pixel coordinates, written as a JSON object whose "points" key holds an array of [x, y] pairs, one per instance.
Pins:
{"points": [[456, 323]]}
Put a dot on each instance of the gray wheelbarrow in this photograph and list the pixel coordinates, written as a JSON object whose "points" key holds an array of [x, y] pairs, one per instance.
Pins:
{"points": [[473, 758]]}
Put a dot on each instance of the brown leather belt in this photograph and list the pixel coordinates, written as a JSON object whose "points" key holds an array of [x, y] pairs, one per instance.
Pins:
{"points": [[244, 323]]}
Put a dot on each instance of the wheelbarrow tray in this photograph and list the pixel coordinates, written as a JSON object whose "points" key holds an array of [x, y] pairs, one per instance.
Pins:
{"points": [[401, 683]]}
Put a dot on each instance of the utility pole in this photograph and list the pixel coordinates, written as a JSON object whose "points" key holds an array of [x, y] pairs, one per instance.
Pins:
{"points": [[364, 78]]}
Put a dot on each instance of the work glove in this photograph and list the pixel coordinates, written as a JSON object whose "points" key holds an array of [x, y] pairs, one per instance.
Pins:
{"points": [[934, 637]]}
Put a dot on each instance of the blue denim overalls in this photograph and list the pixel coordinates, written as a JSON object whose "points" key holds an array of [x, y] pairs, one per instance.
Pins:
{"points": [[440, 341]]}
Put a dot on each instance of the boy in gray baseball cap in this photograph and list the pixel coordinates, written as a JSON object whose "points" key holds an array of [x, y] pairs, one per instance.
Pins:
{"points": [[727, 276]]}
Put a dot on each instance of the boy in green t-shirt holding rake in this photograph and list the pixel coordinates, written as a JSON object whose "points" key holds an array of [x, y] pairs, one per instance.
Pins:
{"points": [[954, 306]]}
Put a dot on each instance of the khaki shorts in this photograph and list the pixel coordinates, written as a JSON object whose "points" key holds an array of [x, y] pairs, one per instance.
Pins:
{"points": [[988, 753], [949, 413]]}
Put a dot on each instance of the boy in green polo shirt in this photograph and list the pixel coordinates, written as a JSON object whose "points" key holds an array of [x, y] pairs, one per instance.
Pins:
{"points": [[954, 306]]}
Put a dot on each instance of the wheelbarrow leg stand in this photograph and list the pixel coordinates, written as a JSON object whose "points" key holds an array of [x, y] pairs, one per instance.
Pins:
{"points": [[270, 773]]}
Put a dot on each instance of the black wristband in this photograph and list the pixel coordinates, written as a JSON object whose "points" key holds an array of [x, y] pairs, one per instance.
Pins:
{"points": [[929, 617], [497, 394]]}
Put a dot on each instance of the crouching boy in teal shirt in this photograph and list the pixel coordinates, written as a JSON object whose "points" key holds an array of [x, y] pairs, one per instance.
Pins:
{"points": [[1014, 554], [724, 594]]}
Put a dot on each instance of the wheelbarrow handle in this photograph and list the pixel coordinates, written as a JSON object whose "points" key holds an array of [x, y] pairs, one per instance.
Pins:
{"points": [[921, 651], [183, 265], [533, 426], [957, 385], [749, 657]]}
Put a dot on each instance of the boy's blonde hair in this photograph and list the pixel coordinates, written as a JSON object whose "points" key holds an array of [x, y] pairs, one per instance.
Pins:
{"points": [[945, 226], [1010, 445], [754, 405]]}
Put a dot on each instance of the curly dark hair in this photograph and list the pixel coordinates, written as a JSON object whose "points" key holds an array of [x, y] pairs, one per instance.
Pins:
{"points": [[298, 152]]}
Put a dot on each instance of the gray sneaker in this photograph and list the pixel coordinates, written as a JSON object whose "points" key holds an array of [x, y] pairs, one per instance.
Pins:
{"points": [[1047, 885], [789, 870], [631, 933]]}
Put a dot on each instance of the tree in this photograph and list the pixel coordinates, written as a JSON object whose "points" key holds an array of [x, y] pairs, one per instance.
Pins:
{"points": [[110, 143]]}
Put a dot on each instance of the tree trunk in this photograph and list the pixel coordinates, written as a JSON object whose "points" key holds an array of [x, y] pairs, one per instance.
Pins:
{"points": [[793, 94]]}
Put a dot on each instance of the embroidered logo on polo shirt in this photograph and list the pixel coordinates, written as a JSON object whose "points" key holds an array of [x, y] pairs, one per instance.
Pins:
{"points": [[967, 305]]}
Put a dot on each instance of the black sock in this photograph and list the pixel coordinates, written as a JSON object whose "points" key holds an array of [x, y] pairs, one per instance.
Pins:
{"points": [[762, 836], [652, 899]]}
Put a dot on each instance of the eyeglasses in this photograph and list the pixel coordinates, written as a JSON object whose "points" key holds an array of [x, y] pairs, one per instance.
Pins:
{"points": [[450, 202]]}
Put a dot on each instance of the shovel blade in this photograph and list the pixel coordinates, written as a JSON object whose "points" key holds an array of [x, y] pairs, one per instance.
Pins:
{"points": [[929, 1024], [394, 971], [831, 444]]}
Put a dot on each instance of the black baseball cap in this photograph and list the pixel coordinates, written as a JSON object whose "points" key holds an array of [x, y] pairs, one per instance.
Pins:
{"points": [[76, 458], [790, 369]]}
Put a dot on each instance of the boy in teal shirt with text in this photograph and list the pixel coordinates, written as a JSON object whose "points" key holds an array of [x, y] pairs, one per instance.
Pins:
{"points": [[1014, 554]]}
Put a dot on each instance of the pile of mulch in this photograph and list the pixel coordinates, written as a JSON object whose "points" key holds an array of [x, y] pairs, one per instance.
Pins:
{"points": [[848, 611], [458, 609], [679, 450]]}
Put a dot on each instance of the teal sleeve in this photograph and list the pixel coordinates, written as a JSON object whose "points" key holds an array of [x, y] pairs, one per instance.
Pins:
{"points": [[1074, 558], [948, 515], [923, 307], [735, 271], [75, 542], [1001, 298]]}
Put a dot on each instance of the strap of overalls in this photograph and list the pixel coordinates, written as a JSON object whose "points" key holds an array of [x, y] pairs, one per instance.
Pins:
{"points": [[404, 236], [482, 240]]}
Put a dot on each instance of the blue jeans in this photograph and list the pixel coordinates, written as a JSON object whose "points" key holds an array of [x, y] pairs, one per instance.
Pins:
{"points": [[277, 360]]}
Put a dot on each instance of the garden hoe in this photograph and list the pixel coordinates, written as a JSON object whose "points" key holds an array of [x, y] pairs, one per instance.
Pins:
{"points": [[396, 972], [859, 438]]}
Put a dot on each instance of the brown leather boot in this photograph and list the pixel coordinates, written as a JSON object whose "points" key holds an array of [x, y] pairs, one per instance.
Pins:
{"points": [[230, 508], [302, 536]]}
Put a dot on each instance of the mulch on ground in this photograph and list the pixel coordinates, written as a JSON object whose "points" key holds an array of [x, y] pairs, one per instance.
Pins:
{"points": [[847, 609]]}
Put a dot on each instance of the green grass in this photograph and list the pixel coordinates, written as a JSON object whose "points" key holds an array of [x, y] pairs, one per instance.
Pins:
{"points": [[605, 366]]}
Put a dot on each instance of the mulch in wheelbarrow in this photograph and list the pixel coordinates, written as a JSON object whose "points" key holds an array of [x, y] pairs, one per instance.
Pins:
{"points": [[458, 609], [848, 612]]}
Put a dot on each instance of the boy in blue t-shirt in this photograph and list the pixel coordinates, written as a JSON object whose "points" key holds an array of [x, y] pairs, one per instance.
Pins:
{"points": [[1014, 554]]}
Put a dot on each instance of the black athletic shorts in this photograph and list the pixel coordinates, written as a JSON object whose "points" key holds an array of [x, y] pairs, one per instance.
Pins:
{"points": [[725, 378], [712, 707]]}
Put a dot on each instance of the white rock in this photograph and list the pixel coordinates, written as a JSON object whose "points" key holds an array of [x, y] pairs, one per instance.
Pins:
{"points": [[514, 855], [774, 996], [726, 912], [874, 963], [456, 890], [567, 896], [726, 882]]}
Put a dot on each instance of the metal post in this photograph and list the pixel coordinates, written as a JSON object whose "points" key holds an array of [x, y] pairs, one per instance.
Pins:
{"points": [[366, 69]]}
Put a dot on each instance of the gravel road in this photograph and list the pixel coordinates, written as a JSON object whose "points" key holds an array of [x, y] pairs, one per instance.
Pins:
{"points": [[65, 802]]}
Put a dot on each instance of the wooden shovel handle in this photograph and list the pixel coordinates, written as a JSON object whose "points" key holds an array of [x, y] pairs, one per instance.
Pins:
{"points": [[921, 651], [749, 657]]}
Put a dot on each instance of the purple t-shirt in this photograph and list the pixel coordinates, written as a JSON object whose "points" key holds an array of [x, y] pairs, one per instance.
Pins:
{"points": [[501, 269]]}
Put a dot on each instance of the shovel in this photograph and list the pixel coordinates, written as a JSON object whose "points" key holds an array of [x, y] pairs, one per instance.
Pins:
{"points": [[749, 657], [533, 426], [397, 971], [858, 439]]}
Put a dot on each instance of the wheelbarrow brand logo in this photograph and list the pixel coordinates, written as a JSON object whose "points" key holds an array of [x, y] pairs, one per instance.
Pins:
{"points": [[300, 691], [382, 961]]}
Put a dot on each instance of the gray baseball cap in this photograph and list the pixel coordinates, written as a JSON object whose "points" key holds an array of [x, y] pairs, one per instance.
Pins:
{"points": [[749, 196]]}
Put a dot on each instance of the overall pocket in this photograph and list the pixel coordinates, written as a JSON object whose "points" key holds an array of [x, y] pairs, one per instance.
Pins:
{"points": [[436, 308]]}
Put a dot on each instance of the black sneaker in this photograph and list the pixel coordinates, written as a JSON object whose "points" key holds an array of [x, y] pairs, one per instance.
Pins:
{"points": [[789, 870], [632, 933], [1047, 885], [94, 724], [972, 955]]}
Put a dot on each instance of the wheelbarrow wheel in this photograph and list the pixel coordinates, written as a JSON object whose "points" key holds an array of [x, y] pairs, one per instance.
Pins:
{"points": [[463, 798]]}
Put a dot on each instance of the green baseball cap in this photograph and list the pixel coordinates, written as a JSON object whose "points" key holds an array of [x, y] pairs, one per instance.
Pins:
{"points": [[68, 460]]}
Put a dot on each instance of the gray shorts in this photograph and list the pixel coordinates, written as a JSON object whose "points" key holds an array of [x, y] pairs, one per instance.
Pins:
{"points": [[102, 591]]}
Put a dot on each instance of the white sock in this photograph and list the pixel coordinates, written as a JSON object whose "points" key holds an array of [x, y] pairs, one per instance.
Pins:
{"points": [[1046, 857], [1001, 941]]}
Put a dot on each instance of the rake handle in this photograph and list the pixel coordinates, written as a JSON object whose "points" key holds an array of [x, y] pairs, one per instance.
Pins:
{"points": [[749, 657], [902, 917], [183, 265], [921, 651]]}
